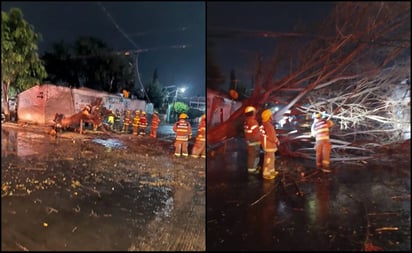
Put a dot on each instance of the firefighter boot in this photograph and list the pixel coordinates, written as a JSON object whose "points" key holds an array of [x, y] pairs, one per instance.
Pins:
{"points": [[269, 175]]}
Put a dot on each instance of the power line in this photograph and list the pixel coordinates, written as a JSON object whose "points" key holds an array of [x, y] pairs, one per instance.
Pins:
{"points": [[117, 26], [133, 43], [179, 29], [140, 50]]}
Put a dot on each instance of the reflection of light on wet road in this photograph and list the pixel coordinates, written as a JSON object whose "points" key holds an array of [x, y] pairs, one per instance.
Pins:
{"points": [[167, 208], [163, 193], [21, 143], [110, 143]]}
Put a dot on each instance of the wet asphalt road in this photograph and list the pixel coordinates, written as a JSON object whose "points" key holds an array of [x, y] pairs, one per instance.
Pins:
{"points": [[94, 192], [353, 208], [60, 202]]}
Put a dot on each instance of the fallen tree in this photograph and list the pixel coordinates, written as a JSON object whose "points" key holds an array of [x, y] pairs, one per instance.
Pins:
{"points": [[353, 68], [92, 114]]}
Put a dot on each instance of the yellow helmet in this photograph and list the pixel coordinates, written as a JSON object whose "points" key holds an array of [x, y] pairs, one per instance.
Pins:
{"points": [[266, 115], [316, 115], [250, 109], [203, 116], [143, 113], [137, 112], [183, 116]]}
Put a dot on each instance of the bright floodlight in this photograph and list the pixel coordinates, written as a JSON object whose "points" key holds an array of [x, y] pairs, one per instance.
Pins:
{"points": [[182, 89]]}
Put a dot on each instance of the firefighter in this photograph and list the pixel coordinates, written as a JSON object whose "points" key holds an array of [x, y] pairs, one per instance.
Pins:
{"points": [[97, 115], [199, 148], [252, 136], [86, 110], [117, 117], [142, 124], [154, 124], [126, 122], [136, 121], [110, 119], [270, 144], [183, 132], [320, 130]]}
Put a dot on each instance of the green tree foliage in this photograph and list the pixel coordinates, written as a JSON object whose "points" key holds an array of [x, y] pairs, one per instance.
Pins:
{"points": [[180, 107], [155, 92], [60, 65], [21, 67], [89, 62]]}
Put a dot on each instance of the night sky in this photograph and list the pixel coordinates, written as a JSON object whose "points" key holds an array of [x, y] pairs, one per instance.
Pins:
{"points": [[239, 52], [158, 26]]}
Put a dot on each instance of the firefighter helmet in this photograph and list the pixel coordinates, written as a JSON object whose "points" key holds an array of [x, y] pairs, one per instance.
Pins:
{"points": [[203, 116], [266, 115], [183, 116], [143, 113], [155, 112], [250, 109], [316, 115]]}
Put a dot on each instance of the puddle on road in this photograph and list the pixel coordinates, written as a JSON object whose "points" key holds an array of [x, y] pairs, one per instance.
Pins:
{"points": [[21, 143], [87, 216], [159, 187], [68, 206], [110, 143]]}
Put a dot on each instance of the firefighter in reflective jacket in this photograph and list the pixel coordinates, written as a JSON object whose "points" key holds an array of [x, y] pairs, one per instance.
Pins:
{"points": [[142, 124], [183, 132], [136, 121], [252, 136], [126, 122], [154, 125], [117, 117], [270, 143], [320, 130], [199, 148], [110, 119]]}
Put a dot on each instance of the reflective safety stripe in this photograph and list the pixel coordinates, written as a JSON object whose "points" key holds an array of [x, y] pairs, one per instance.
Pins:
{"points": [[254, 143], [321, 129]]}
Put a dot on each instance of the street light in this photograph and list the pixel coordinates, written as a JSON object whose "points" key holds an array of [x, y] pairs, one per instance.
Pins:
{"points": [[182, 90]]}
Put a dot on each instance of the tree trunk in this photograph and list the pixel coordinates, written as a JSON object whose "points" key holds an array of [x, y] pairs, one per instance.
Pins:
{"points": [[5, 99]]}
